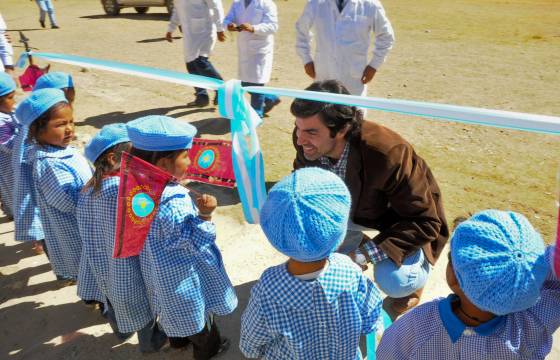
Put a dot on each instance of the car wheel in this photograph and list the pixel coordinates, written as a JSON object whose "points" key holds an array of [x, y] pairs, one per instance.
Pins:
{"points": [[169, 6], [111, 7], [141, 10]]}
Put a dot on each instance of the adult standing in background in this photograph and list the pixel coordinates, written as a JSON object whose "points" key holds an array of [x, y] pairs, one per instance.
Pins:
{"points": [[342, 30], [201, 22], [46, 7], [6, 50]]}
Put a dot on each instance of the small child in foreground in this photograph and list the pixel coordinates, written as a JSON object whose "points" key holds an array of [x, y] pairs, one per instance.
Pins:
{"points": [[318, 304], [8, 132], [59, 173], [182, 267], [28, 225], [506, 301], [119, 279]]}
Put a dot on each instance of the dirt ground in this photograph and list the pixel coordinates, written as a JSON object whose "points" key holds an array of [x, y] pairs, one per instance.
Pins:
{"points": [[486, 53]]}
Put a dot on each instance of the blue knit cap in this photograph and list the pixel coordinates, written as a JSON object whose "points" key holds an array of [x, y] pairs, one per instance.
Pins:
{"points": [[38, 103], [109, 136], [306, 214], [7, 84], [499, 261], [54, 80], [160, 133]]}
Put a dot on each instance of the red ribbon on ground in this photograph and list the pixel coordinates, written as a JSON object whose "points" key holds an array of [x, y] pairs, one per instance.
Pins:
{"points": [[211, 163], [140, 189]]}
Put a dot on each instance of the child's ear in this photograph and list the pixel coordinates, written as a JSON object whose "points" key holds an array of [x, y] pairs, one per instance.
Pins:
{"points": [[165, 164], [112, 159], [451, 278]]}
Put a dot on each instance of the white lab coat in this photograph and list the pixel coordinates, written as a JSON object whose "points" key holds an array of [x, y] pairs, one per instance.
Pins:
{"points": [[343, 39], [200, 20], [6, 50], [255, 50]]}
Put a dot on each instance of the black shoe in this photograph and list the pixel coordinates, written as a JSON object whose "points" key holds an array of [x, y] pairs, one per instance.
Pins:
{"points": [[42, 22], [268, 105], [224, 346], [200, 101], [55, 27]]}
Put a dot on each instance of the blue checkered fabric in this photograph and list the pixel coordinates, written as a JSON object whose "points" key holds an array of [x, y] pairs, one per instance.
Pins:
{"points": [[431, 331], [183, 268], [58, 176], [28, 226], [288, 318], [120, 280], [8, 132], [87, 288]]}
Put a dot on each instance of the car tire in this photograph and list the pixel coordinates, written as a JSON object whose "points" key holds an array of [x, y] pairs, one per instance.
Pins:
{"points": [[169, 6], [111, 7], [141, 10]]}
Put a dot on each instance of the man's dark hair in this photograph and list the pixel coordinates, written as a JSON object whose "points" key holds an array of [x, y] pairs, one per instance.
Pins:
{"points": [[335, 116]]}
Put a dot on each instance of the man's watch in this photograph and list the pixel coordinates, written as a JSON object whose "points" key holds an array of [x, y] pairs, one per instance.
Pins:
{"points": [[360, 258]]}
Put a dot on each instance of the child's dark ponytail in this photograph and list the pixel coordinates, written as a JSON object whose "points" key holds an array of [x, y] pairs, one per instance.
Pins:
{"points": [[104, 167]]}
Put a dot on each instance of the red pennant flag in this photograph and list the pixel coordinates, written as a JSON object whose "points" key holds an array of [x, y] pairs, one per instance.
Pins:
{"points": [[29, 77], [140, 189], [211, 163]]}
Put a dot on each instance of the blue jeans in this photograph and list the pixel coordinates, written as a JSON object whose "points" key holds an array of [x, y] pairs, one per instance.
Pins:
{"points": [[398, 282], [46, 7], [202, 66], [258, 100]]}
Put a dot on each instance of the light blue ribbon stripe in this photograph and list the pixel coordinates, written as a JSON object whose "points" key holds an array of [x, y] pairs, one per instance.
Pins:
{"points": [[248, 161], [463, 114], [143, 71]]}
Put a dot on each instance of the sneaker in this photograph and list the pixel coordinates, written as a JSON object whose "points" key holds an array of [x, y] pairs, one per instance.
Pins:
{"points": [[55, 27], [268, 105], [199, 102], [42, 22]]}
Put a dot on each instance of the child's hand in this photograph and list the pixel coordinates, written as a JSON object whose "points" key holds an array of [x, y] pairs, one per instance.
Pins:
{"points": [[169, 36], [206, 205], [246, 27], [232, 27], [221, 36]]}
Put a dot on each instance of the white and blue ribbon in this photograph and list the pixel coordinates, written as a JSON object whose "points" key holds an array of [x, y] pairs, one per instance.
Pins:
{"points": [[247, 155]]}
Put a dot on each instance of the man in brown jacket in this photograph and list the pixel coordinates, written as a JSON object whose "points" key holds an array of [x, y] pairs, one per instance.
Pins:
{"points": [[393, 191]]}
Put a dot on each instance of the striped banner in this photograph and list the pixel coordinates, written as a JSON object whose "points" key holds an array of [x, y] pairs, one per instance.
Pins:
{"points": [[248, 162]]}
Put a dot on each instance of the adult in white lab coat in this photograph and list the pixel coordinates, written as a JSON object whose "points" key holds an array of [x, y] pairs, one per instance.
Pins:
{"points": [[256, 21], [342, 30], [201, 22], [6, 50]]}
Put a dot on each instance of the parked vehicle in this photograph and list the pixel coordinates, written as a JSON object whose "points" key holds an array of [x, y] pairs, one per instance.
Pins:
{"points": [[113, 7]]}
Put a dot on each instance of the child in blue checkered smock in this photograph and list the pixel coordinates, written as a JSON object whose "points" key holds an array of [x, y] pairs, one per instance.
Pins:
{"points": [[59, 173], [8, 132], [28, 225], [317, 304], [505, 302], [120, 280], [182, 266]]}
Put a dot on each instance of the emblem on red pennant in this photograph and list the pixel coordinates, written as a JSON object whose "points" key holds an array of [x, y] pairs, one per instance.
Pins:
{"points": [[211, 163], [140, 189]]}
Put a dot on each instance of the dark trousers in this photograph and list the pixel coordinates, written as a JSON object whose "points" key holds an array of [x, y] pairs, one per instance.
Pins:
{"points": [[258, 100], [150, 338], [205, 344], [202, 66]]}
